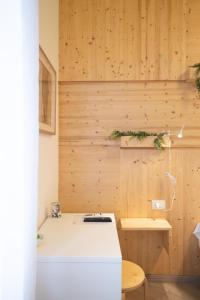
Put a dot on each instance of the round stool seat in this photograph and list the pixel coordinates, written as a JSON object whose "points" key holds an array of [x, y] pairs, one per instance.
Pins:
{"points": [[132, 276]]}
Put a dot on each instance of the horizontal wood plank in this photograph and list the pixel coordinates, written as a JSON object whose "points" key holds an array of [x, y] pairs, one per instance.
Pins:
{"points": [[144, 224]]}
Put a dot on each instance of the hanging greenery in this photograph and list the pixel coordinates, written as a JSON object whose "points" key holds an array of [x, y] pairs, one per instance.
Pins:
{"points": [[140, 135], [197, 73]]}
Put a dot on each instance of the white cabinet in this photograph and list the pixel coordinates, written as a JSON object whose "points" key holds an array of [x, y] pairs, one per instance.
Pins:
{"points": [[78, 261]]}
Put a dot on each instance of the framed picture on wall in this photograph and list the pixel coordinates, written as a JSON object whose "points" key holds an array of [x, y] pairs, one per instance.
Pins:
{"points": [[47, 94]]}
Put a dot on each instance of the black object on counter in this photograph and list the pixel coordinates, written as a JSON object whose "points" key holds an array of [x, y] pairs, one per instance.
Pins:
{"points": [[97, 219]]}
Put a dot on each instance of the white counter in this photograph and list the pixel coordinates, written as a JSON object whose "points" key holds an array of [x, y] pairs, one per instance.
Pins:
{"points": [[78, 260]]}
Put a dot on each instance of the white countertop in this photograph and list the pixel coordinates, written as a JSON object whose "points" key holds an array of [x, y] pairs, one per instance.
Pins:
{"points": [[69, 239]]}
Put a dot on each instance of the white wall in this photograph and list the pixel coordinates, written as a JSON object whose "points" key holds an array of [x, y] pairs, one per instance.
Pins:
{"points": [[19, 148], [48, 151]]}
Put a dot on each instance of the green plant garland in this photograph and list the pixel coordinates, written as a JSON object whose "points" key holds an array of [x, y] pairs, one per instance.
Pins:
{"points": [[197, 80], [140, 135]]}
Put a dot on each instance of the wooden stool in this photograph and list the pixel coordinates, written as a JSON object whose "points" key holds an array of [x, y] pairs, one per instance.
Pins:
{"points": [[132, 278]]}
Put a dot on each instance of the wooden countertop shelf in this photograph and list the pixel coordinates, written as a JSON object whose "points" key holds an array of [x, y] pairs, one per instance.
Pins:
{"points": [[128, 142], [131, 142], [145, 224]]}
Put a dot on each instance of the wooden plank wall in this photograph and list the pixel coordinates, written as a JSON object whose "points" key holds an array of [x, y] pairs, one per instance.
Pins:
{"points": [[158, 38], [193, 36], [122, 39]]}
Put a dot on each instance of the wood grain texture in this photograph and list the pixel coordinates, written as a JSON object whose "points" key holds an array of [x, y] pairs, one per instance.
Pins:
{"points": [[169, 141], [132, 276], [96, 175], [144, 224], [133, 44], [123, 39], [193, 32], [148, 142], [166, 290], [100, 108]]}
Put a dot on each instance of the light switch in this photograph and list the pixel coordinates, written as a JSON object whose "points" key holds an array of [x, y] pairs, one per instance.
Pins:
{"points": [[158, 204]]}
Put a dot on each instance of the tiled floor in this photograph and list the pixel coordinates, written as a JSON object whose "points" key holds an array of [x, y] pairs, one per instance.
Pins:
{"points": [[167, 291]]}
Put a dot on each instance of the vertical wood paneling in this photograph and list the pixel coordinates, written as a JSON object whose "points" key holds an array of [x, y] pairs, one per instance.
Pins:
{"points": [[96, 175], [193, 36], [128, 40], [122, 40], [164, 13], [89, 178]]}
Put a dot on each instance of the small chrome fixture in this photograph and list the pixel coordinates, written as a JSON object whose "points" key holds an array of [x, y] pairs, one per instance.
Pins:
{"points": [[173, 182], [55, 210], [180, 133], [171, 177]]}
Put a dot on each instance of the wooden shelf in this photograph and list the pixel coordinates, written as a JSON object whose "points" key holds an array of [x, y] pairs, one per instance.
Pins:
{"points": [[145, 224], [131, 142], [173, 142]]}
